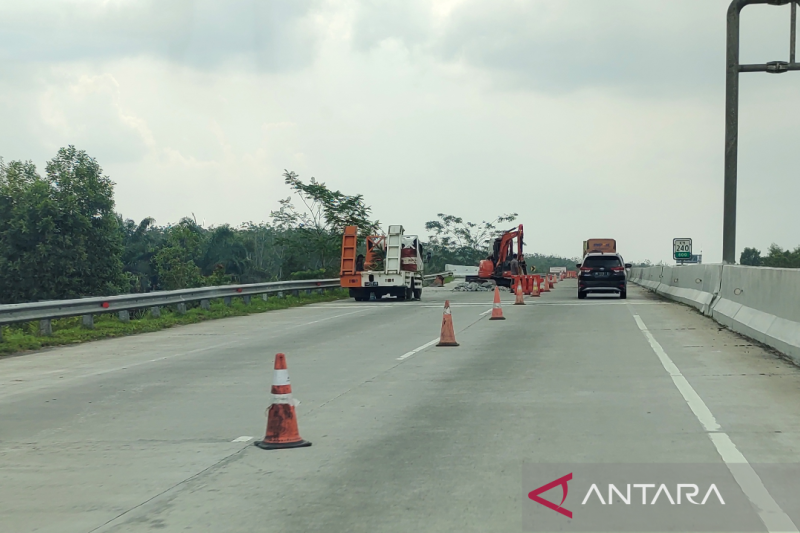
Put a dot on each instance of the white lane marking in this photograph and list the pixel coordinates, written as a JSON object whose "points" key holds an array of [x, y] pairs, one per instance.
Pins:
{"points": [[696, 404], [416, 350], [322, 308], [746, 477], [157, 359], [485, 312], [4, 394], [242, 439], [324, 319], [539, 302]]}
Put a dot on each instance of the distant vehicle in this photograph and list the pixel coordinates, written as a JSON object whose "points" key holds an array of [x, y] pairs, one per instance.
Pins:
{"points": [[603, 273], [606, 246]]}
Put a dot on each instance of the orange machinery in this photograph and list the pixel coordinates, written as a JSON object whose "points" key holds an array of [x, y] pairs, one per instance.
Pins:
{"points": [[498, 267]]}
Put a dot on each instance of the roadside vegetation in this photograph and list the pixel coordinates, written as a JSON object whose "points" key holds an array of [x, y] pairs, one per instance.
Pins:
{"points": [[61, 238], [776, 257], [25, 336]]}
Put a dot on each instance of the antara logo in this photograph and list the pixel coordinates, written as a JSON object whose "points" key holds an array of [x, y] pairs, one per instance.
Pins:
{"points": [[683, 493], [534, 495]]}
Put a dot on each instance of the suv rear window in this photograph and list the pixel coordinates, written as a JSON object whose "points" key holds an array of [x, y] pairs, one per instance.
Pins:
{"points": [[607, 261]]}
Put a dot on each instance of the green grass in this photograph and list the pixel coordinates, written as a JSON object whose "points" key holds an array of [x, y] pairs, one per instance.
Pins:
{"points": [[448, 279], [25, 336]]}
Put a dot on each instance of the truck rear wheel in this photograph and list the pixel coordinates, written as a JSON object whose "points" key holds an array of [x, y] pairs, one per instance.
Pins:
{"points": [[417, 294]]}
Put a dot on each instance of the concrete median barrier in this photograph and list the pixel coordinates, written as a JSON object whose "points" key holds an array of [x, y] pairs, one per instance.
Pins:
{"points": [[694, 285], [761, 303]]}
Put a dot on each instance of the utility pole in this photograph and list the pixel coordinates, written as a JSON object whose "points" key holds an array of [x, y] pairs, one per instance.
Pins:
{"points": [[732, 110]]}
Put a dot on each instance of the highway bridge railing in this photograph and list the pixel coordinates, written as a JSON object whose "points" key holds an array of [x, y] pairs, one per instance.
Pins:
{"points": [[50, 309]]}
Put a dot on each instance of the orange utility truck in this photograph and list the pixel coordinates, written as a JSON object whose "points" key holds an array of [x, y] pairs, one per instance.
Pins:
{"points": [[392, 265]]}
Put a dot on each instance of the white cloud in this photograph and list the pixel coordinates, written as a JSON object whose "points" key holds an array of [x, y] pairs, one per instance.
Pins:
{"points": [[550, 109]]}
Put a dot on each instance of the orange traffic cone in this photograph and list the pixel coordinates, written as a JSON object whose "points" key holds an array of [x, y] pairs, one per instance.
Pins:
{"points": [[497, 311], [520, 298], [448, 336], [281, 417], [545, 285], [535, 290]]}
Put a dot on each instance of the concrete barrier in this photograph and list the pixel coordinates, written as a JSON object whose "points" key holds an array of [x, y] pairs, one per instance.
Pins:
{"points": [[694, 285], [761, 303], [462, 271]]}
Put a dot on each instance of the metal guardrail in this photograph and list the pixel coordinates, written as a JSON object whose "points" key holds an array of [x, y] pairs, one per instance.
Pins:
{"points": [[11, 313]]}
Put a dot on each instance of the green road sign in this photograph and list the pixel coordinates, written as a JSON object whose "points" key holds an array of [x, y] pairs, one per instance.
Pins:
{"points": [[682, 248]]}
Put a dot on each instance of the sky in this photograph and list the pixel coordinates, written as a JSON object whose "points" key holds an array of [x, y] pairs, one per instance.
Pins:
{"points": [[589, 119]]}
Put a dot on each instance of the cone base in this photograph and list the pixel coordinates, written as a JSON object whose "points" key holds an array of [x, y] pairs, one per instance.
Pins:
{"points": [[521, 303], [498, 318], [448, 344], [281, 445]]}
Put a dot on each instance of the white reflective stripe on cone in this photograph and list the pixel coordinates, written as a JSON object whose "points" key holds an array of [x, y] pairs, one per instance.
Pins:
{"points": [[280, 377], [284, 399]]}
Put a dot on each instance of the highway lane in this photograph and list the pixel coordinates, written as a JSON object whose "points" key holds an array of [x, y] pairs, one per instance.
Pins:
{"points": [[152, 432]]}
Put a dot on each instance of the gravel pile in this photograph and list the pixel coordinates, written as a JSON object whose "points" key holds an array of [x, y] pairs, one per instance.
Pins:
{"points": [[474, 287]]}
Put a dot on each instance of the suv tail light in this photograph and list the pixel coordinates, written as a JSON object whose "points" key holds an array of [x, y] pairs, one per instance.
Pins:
{"points": [[586, 269], [618, 269]]}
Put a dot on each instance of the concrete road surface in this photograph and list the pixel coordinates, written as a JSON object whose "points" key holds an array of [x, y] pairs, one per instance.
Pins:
{"points": [[154, 432]]}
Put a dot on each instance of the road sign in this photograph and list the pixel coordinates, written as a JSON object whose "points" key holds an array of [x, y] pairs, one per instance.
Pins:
{"points": [[694, 260], [682, 248]]}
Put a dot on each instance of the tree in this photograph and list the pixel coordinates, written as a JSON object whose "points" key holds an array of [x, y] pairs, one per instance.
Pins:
{"points": [[780, 258], [224, 247], [310, 239], [453, 232], [59, 235], [751, 257], [331, 210], [175, 262], [455, 241], [140, 244]]}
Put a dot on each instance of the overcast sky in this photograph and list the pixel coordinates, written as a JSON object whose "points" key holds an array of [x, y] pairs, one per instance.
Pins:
{"points": [[588, 118]]}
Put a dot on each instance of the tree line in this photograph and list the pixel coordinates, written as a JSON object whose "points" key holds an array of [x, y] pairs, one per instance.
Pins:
{"points": [[61, 238], [776, 257]]}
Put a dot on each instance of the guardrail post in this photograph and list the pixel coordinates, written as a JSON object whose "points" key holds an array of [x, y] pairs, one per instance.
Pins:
{"points": [[280, 294], [246, 299], [1, 333], [155, 311], [296, 293], [88, 321], [181, 308], [46, 327], [205, 304], [124, 316], [265, 296], [308, 291], [228, 300]]}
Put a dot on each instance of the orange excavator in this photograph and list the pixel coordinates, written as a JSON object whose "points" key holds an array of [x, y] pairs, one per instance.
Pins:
{"points": [[498, 266]]}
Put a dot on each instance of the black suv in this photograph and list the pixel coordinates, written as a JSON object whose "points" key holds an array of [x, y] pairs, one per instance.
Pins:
{"points": [[603, 273]]}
